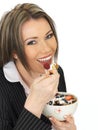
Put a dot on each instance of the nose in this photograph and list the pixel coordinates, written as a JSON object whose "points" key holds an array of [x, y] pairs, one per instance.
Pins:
{"points": [[45, 46]]}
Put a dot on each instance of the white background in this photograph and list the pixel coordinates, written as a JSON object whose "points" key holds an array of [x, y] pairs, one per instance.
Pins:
{"points": [[77, 28]]}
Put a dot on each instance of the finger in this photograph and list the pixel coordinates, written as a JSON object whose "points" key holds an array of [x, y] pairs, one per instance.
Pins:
{"points": [[60, 124], [55, 122], [40, 78], [70, 119], [53, 74]]}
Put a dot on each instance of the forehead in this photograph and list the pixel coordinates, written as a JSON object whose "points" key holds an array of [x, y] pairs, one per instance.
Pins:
{"points": [[35, 27]]}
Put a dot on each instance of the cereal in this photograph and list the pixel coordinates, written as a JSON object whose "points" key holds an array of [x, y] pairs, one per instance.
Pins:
{"points": [[61, 99]]}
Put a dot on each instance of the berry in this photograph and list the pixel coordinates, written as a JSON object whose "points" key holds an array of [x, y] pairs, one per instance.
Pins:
{"points": [[46, 66]]}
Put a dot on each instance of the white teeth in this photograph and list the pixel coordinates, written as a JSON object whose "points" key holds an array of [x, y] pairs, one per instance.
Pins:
{"points": [[44, 59]]}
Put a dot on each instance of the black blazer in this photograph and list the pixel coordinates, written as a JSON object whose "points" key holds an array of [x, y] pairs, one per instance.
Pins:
{"points": [[13, 115]]}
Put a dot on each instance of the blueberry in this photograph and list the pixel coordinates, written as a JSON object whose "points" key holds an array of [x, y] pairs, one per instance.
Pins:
{"points": [[50, 102]]}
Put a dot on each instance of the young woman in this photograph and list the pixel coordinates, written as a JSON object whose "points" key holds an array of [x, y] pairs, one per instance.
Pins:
{"points": [[28, 41]]}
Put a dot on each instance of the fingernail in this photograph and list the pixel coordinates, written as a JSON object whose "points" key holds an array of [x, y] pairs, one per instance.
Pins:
{"points": [[50, 119], [65, 116]]}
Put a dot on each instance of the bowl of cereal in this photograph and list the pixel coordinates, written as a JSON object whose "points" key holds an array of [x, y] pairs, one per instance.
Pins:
{"points": [[61, 105]]}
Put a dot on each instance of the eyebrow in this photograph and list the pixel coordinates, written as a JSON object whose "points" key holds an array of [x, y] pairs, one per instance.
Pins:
{"points": [[36, 37], [48, 32]]}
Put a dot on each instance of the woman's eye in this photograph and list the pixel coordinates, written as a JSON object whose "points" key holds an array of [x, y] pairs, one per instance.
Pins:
{"points": [[49, 36], [31, 42]]}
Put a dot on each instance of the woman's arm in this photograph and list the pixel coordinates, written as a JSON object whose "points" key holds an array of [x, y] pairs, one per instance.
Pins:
{"points": [[25, 121]]}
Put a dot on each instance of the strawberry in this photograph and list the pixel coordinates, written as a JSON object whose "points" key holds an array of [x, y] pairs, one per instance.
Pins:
{"points": [[68, 97]]}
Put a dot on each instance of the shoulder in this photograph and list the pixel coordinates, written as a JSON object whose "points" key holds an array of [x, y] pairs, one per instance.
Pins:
{"points": [[3, 84], [62, 83], [6, 87], [1, 70], [1, 74], [2, 77], [60, 70]]}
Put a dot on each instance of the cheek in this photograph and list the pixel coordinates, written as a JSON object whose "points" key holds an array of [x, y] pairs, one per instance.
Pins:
{"points": [[31, 53], [54, 46]]}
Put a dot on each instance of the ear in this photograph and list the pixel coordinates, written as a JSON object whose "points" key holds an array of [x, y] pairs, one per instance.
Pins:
{"points": [[14, 55]]}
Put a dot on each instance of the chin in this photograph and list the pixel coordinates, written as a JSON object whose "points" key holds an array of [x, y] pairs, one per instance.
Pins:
{"points": [[41, 71]]}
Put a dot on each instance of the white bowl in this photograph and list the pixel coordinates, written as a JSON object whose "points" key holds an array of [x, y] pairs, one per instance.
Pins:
{"points": [[59, 111]]}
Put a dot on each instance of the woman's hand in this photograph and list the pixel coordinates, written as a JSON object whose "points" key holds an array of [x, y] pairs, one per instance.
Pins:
{"points": [[68, 124], [42, 91]]}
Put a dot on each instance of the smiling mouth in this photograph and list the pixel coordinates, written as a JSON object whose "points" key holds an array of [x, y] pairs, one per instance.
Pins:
{"points": [[45, 60]]}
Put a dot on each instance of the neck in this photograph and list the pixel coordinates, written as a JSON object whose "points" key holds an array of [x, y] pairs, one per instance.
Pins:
{"points": [[27, 77]]}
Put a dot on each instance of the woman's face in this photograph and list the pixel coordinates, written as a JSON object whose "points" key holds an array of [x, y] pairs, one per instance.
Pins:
{"points": [[39, 43]]}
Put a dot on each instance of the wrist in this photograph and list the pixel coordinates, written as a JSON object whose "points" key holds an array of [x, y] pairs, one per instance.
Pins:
{"points": [[34, 107]]}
